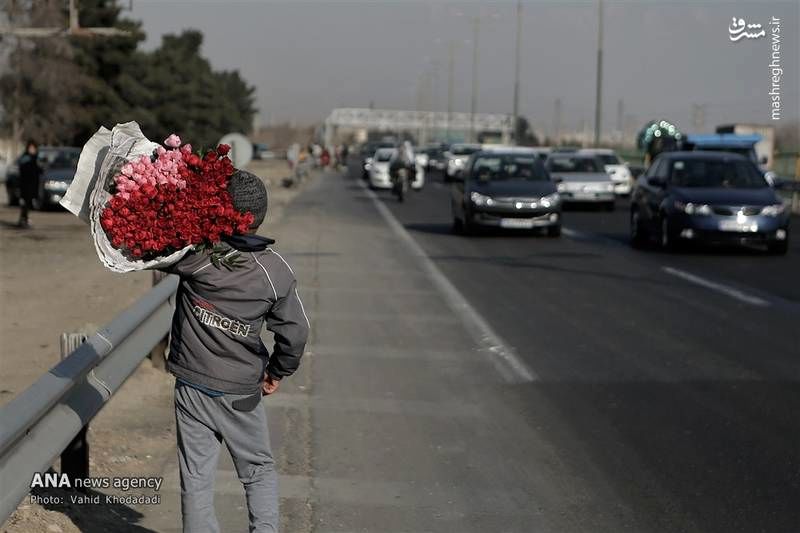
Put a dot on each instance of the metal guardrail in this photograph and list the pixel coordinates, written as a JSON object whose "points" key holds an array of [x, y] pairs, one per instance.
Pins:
{"points": [[40, 422]]}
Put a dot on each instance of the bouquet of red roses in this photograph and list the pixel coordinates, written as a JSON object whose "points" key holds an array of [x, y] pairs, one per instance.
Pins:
{"points": [[171, 200], [150, 204]]}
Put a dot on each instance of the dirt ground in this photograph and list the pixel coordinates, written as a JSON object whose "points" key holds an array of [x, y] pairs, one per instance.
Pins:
{"points": [[51, 282]]}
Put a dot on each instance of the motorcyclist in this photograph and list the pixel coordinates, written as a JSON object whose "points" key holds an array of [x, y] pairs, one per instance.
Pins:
{"points": [[403, 157]]}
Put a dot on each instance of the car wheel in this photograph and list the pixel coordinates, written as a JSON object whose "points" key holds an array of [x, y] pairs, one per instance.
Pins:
{"points": [[554, 231], [13, 200], [638, 236], [467, 227], [779, 247], [39, 203], [667, 238], [458, 226]]}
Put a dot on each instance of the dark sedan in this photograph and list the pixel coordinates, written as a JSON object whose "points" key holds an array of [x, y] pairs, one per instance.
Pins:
{"points": [[707, 197], [506, 189], [59, 165]]}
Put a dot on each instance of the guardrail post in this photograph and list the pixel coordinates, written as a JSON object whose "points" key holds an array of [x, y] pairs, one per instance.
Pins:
{"points": [[158, 353], [75, 457]]}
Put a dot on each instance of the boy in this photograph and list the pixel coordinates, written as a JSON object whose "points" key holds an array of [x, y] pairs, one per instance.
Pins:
{"points": [[222, 367]]}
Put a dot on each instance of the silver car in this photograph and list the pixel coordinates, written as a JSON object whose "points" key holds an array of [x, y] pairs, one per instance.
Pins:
{"points": [[581, 178]]}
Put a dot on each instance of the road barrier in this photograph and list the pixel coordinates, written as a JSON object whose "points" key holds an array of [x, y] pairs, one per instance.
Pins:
{"points": [[44, 420]]}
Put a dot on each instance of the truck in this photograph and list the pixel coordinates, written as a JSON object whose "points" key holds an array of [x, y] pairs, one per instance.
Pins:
{"points": [[764, 148]]}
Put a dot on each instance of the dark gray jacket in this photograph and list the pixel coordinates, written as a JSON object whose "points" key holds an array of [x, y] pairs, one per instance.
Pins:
{"points": [[219, 313]]}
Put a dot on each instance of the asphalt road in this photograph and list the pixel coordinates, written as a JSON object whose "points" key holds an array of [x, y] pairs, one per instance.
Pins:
{"points": [[515, 383], [666, 384]]}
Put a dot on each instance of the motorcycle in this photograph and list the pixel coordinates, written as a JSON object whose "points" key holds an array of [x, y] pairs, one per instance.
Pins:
{"points": [[400, 183]]}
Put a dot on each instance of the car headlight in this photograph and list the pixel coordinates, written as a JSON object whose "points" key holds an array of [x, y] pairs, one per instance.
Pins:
{"points": [[56, 185], [550, 200], [693, 209], [456, 162], [773, 210], [480, 199]]}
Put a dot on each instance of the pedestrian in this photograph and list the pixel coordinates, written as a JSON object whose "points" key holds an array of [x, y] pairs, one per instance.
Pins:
{"points": [[222, 367], [29, 173]]}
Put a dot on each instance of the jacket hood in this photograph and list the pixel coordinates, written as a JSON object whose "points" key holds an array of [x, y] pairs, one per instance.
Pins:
{"points": [[248, 243]]}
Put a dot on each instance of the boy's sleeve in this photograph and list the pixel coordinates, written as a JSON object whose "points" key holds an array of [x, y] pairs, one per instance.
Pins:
{"points": [[287, 320], [186, 265]]}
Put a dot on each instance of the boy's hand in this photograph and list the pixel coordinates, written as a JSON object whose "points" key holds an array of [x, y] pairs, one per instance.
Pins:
{"points": [[270, 385]]}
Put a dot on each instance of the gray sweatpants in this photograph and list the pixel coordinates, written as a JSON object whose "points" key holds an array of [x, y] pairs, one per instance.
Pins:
{"points": [[203, 423]]}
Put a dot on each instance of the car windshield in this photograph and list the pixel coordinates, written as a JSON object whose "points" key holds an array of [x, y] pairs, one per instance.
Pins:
{"points": [[464, 150], [505, 167], [572, 164], [715, 173], [383, 155], [65, 159], [608, 159]]}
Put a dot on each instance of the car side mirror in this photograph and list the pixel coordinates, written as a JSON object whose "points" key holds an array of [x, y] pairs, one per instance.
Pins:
{"points": [[762, 160], [657, 181]]}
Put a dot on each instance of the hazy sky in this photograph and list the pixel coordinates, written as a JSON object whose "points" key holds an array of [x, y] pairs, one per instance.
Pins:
{"points": [[306, 58]]}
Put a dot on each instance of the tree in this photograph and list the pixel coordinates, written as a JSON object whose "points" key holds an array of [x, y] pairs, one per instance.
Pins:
{"points": [[64, 89], [523, 134]]}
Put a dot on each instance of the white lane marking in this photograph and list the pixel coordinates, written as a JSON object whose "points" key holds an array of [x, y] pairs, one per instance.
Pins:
{"points": [[719, 287], [592, 237], [504, 358]]}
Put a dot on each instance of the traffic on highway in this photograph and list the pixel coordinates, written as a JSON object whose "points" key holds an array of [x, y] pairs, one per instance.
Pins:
{"points": [[386, 266]]}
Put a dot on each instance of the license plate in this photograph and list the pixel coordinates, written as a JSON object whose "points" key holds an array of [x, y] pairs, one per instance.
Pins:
{"points": [[524, 223], [584, 195], [735, 225]]}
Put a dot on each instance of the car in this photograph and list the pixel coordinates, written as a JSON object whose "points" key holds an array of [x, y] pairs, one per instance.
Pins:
{"points": [[59, 164], [581, 178], [456, 157], [505, 189], [436, 160], [421, 157], [262, 151], [707, 197], [367, 153], [619, 171], [378, 168]]}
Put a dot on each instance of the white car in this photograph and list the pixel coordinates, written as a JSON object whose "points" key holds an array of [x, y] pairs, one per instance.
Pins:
{"points": [[378, 168], [419, 177], [581, 179], [619, 171], [456, 158]]}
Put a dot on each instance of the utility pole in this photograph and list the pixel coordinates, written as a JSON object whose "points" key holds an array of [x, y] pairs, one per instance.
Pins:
{"points": [[516, 70], [73, 29], [557, 121], [620, 115], [474, 104], [598, 113], [698, 116], [450, 74]]}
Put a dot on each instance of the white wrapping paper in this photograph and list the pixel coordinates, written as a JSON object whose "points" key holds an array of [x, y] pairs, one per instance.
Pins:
{"points": [[100, 161]]}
